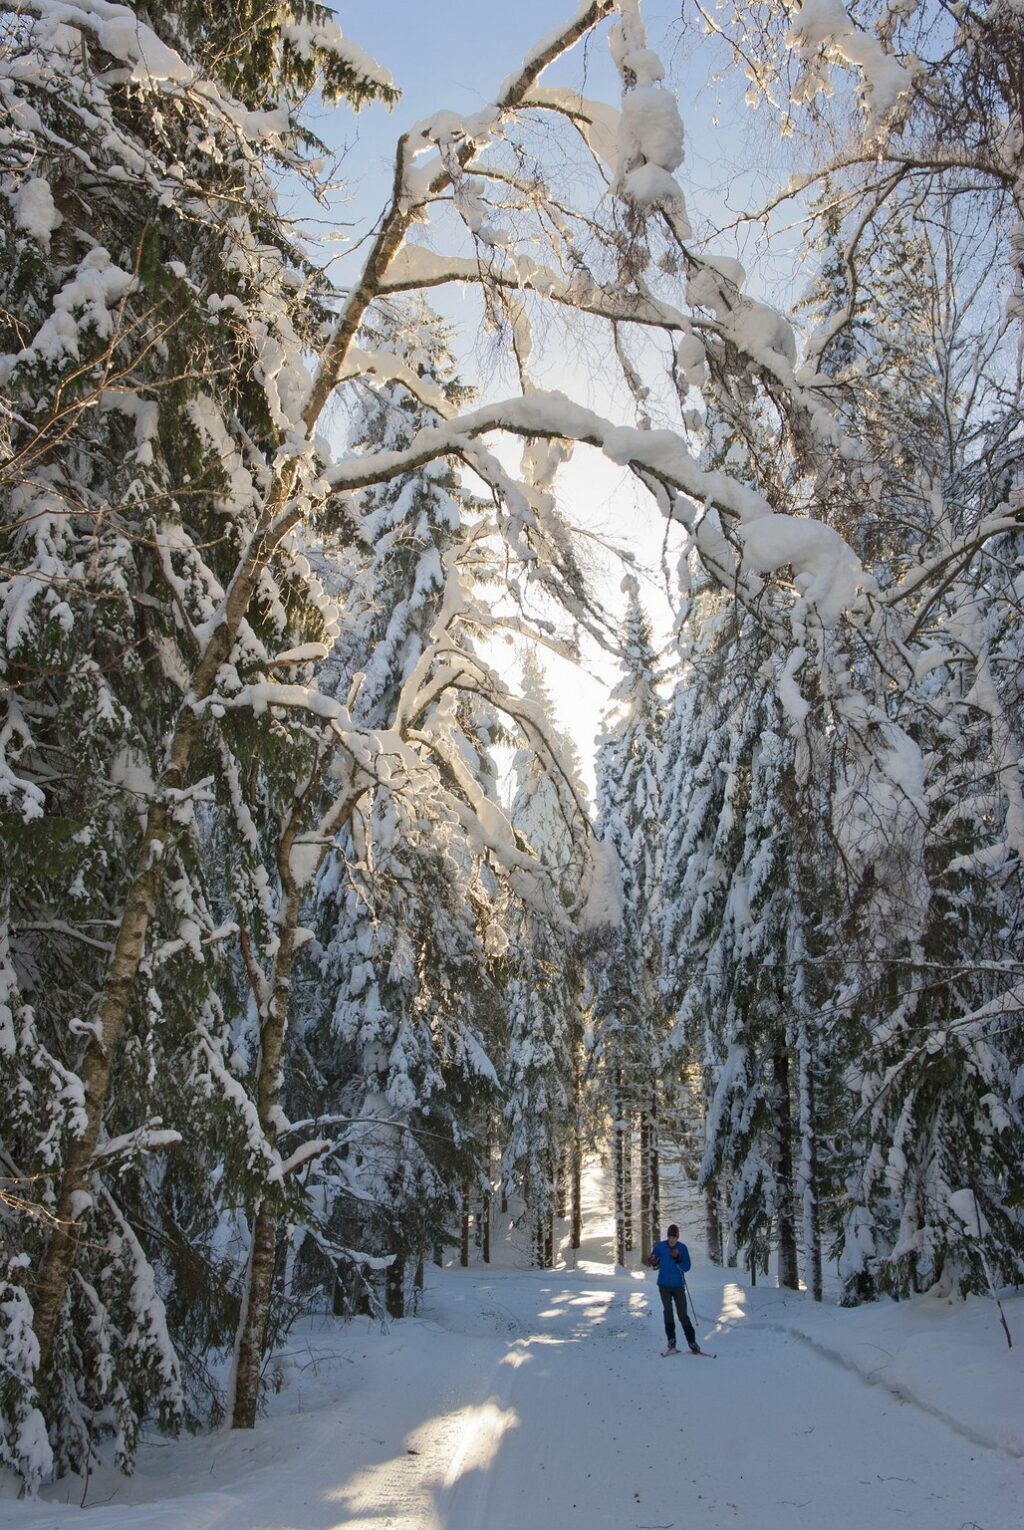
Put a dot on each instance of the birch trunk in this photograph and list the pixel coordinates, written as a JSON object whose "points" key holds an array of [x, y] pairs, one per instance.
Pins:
{"points": [[253, 1327], [256, 1306], [98, 1066], [273, 1002]]}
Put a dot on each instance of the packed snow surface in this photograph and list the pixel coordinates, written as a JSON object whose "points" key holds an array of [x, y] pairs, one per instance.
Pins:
{"points": [[525, 1399]]}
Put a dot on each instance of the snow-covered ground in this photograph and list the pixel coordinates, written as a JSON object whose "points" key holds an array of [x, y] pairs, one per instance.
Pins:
{"points": [[522, 1400]]}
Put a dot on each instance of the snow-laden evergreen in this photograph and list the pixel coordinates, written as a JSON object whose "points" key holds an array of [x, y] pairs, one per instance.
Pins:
{"points": [[628, 1015], [734, 911], [543, 1001], [151, 351], [399, 1033]]}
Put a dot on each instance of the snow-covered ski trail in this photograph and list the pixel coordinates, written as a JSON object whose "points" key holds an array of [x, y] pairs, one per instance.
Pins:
{"points": [[523, 1399], [778, 1437]]}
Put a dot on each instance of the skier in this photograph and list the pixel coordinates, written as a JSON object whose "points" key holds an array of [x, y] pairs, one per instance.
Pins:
{"points": [[671, 1259]]}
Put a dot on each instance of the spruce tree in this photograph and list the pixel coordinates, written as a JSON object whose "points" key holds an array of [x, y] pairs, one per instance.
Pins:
{"points": [[543, 995], [150, 348], [627, 1010], [394, 1036], [730, 906]]}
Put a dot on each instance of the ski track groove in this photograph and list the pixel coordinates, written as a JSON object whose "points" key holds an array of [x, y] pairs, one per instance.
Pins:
{"points": [[477, 1489], [900, 1394]]}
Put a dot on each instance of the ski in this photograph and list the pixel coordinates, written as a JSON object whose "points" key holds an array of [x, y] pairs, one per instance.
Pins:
{"points": [[698, 1354]]}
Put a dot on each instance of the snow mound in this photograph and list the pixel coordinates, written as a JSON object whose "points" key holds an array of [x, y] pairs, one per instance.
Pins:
{"points": [[827, 572]]}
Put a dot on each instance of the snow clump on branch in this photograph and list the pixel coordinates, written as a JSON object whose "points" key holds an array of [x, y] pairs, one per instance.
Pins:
{"points": [[827, 572], [823, 32], [650, 137]]}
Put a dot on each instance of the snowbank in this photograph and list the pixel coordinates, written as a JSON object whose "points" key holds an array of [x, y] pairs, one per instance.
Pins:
{"points": [[948, 1358]]}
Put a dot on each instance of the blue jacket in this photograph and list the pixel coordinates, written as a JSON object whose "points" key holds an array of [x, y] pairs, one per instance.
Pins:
{"points": [[670, 1271]]}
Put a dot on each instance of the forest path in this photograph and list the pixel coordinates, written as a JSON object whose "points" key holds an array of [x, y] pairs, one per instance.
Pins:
{"points": [[580, 1421], [527, 1400], [538, 1400]]}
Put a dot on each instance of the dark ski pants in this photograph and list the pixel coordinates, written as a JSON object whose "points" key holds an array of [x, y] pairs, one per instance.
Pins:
{"points": [[677, 1294]]}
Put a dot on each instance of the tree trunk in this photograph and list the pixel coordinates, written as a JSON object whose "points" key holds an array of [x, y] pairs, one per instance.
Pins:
{"points": [[627, 1187], [464, 1239], [256, 1302], [252, 1326], [809, 1166], [655, 1219], [619, 1166], [394, 1287], [713, 1222], [576, 1152], [562, 1181], [576, 1218], [645, 1181], [98, 1063], [789, 1273], [731, 1246], [650, 1189], [274, 1006]]}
